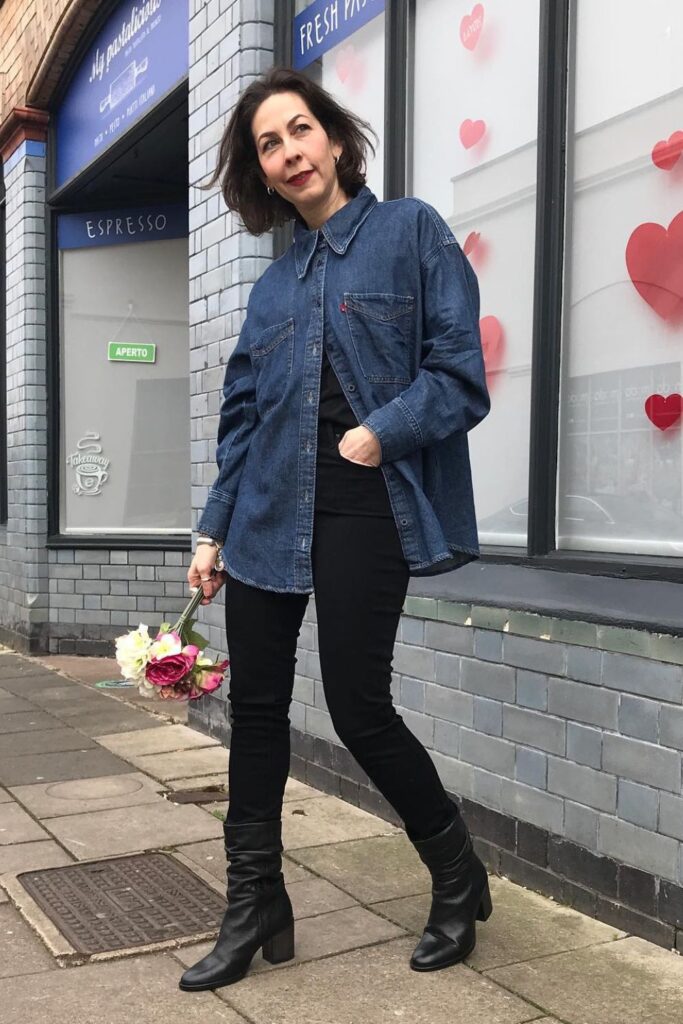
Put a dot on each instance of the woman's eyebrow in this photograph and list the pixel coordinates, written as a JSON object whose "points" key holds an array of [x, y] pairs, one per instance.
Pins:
{"points": [[290, 122]]}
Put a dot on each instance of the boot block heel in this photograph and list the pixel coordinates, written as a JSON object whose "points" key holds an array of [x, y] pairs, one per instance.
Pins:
{"points": [[280, 947], [485, 907]]}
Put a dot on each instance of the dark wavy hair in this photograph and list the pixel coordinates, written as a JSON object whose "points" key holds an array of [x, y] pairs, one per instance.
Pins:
{"points": [[238, 168]]}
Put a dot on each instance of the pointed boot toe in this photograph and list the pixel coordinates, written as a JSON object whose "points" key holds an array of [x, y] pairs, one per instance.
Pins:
{"points": [[433, 952]]}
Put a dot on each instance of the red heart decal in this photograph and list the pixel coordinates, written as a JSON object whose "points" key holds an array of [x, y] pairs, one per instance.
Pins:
{"points": [[492, 344], [471, 26], [471, 242], [471, 132], [667, 153], [664, 412], [654, 259]]}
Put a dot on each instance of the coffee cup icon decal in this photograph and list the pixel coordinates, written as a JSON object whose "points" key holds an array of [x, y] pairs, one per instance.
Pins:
{"points": [[90, 466]]}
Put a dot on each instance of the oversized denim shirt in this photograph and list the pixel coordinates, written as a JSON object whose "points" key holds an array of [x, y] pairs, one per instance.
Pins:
{"points": [[388, 289]]}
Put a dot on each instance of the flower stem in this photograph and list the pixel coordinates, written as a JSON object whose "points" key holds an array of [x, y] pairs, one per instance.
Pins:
{"points": [[188, 611]]}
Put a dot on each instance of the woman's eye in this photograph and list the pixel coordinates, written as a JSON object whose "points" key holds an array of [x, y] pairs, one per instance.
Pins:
{"points": [[301, 126]]}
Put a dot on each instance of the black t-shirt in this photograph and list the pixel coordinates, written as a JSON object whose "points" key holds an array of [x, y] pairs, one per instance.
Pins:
{"points": [[343, 487], [334, 408]]}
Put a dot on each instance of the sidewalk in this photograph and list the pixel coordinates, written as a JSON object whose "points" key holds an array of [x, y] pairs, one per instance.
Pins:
{"points": [[85, 774]]}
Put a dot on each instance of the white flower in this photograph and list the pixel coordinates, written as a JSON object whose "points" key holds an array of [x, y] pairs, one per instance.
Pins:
{"points": [[168, 643], [133, 652]]}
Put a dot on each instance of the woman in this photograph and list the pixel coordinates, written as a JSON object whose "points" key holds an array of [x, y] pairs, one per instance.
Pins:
{"points": [[343, 469]]}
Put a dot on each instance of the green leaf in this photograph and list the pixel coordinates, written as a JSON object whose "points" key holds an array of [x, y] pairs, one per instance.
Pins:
{"points": [[164, 627], [191, 637]]}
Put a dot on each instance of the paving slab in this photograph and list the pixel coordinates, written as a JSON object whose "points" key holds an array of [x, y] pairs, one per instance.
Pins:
{"points": [[316, 937], [374, 869], [156, 741], [374, 985], [314, 896], [77, 796], [327, 819], [16, 826], [45, 741], [26, 721], [26, 769], [183, 763], [29, 687], [110, 719], [9, 704], [5, 797], [200, 781], [210, 855], [65, 696], [21, 951], [524, 925], [32, 857], [296, 790], [108, 833], [624, 982], [142, 989]]}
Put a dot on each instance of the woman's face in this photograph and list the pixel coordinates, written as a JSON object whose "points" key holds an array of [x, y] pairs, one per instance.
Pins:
{"points": [[295, 153]]}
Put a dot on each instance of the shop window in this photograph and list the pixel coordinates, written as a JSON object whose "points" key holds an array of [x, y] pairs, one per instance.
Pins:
{"points": [[124, 397], [620, 406], [473, 157], [353, 69]]}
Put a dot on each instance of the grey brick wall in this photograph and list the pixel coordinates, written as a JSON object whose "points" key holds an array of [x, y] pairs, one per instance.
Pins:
{"points": [[601, 766], [24, 611], [231, 43]]}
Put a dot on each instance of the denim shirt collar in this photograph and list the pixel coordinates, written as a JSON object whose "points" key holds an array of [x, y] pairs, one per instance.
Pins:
{"points": [[338, 231]]}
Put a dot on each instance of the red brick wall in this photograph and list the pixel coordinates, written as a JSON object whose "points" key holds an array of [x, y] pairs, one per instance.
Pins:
{"points": [[37, 37]]}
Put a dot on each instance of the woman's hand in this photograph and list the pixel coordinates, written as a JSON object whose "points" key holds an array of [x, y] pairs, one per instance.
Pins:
{"points": [[202, 572], [362, 446]]}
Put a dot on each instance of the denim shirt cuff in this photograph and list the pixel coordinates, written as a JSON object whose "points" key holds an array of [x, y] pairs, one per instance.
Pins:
{"points": [[396, 429], [215, 519]]}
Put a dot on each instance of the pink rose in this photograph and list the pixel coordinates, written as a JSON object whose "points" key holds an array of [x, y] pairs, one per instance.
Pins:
{"points": [[211, 682], [190, 651], [169, 670]]}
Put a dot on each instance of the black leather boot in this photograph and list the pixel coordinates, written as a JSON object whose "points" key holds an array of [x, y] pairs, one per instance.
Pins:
{"points": [[460, 896], [259, 909]]}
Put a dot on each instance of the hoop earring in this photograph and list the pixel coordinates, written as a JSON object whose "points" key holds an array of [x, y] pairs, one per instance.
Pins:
{"points": [[336, 160], [269, 190]]}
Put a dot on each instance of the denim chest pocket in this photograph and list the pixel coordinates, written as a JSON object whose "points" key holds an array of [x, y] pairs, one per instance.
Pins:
{"points": [[382, 328], [271, 357]]}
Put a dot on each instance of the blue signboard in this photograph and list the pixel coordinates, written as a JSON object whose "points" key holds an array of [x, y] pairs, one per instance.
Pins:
{"points": [[140, 54], [120, 227], [324, 23]]}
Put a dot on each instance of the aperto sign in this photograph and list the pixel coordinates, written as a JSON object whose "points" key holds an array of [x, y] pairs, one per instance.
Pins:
{"points": [[117, 353], [139, 55], [324, 23]]}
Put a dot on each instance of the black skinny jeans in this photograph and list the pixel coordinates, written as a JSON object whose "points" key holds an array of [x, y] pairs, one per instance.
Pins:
{"points": [[360, 579]]}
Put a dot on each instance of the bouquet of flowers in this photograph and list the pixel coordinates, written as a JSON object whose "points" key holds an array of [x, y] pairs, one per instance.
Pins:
{"points": [[171, 666]]}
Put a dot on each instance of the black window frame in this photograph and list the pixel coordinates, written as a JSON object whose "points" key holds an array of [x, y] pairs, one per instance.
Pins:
{"points": [[556, 49], [65, 199]]}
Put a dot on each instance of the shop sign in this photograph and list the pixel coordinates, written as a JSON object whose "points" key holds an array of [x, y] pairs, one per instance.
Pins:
{"points": [[140, 54], [325, 23], [123, 226], [118, 353]]}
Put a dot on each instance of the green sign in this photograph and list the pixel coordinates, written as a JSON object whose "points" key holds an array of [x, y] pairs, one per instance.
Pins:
{"points": [[131, 353]]}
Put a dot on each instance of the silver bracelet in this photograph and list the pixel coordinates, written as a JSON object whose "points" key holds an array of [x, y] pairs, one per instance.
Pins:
{"points": [[209, 540]]}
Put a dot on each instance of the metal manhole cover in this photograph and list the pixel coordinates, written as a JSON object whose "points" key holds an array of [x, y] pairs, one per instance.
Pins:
{"points": [[125, 902]]}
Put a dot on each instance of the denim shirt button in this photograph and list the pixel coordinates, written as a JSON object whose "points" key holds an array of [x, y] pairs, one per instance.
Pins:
{"points": [[404, 522], [351, 387]]}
